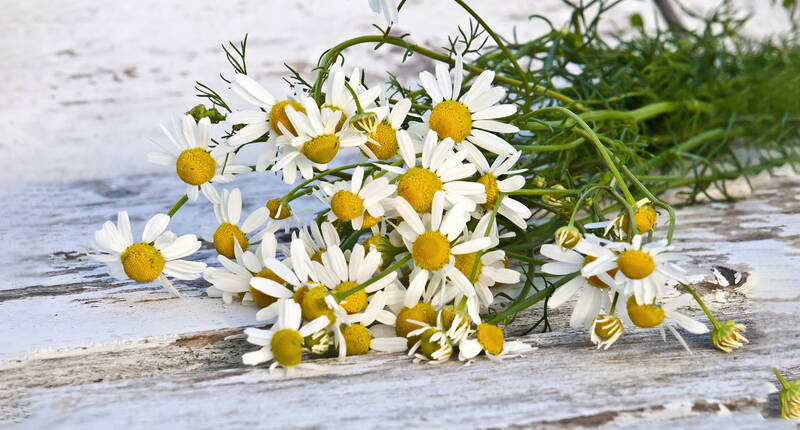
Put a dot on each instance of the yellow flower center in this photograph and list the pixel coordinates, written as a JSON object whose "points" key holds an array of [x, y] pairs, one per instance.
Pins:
{"points": [[299, 294], [369, 220], [490, 184], [195, 166], [386, 137], [451, 119], [421, 312], [313, 304], [417, 186], [278, 115], [142, 262], [594, 280], [342, 118], [346, 206], [607, 326], [357, 338], [645, 218], [491, 338], [322, 148], [278, 210], [354, 303], [464, 263], [371, 241], [431, 250], [635, 264], [263, 300], [429, 347], [644, 316], [224, 237], [287, 347], [317, 255]]}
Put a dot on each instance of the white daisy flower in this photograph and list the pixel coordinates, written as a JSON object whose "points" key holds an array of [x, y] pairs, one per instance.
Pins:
{"points": [[339, 99], [157, 256], [438, 169], [341, 272], [283, 342], [595, 292], [651, 315], [494, 184], [316, 238], [195, 163], [229, 234], [359, 201], [316, 142], [644, 214], [490, 338], [489, 271], [240, 277], [381, 141], [388, 8], [605, 330], [433, 242], [470, 119], [269, 118], [641, 270], [433, 345], [357, 339]]}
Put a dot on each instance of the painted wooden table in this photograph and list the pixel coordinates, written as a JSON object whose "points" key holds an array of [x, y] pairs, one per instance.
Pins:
{"points": [[80, 350]]}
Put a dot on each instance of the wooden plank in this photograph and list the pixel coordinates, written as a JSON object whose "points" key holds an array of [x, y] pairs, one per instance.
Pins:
{"points": [[83, 350]]}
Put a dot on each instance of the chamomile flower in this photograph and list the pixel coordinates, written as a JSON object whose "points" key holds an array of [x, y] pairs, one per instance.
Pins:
{"points": [[433, 242], [605, 330], [339, 99], [157, 256], [229, 233], [283, 343], [641, 270], [469, 119], [433, 345], [269, 117], [494, 184], [341, 272], [249, 276], [644, 214], [594, 291], [438, 169], [388, 8], [490, 338], [316, 142], [381, 142], [652, 315], [316, 238], [359, 201], [195, 163], [489, 270]]}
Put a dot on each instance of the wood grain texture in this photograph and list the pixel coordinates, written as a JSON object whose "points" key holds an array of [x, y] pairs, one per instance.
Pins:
{"points": [[82, 350]]}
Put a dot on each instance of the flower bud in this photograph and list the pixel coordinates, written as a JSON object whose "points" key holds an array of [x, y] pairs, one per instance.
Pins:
{"points": [[278, 210], [728, 336], [365, 122], [568, 236], [200, 111], [789, 397], [606, 329]]}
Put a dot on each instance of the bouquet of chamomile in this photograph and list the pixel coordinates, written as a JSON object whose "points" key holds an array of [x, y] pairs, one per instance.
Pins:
{"points": [[531, 167]]}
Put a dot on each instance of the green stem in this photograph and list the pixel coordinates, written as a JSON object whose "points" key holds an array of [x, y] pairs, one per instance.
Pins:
{"points": [[341, 295], [543, 192], [521, 73], [355, 97], [177, 205], [781, 379], [699, 301], [530, 301], [330, 56], [486, 233], [600, 147]]}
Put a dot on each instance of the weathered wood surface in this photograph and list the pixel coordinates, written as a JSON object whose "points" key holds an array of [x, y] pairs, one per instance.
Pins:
{"points": [[81, 350]]}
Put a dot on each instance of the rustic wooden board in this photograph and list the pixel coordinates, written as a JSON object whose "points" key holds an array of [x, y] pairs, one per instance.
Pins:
{"points": [[81, 350]]}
